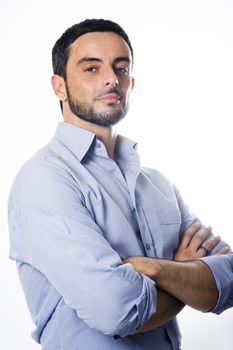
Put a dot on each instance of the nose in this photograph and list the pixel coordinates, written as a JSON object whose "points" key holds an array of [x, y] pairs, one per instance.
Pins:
{"points": [[110, 78]]}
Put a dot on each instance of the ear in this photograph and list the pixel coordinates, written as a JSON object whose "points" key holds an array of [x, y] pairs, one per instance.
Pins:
{"points": [[59, 87], [132, 83]]}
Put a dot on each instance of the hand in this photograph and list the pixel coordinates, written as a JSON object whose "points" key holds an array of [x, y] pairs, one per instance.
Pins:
{"points": [[195, 243], [142, 264]]}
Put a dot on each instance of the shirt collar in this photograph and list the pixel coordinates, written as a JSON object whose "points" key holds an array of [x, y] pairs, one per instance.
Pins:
{"points": [[125, 147], [78, 140]]}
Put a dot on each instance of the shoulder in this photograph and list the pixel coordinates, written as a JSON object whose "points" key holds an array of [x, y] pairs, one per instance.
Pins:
{"points": [[44, 178], [156, 177]]}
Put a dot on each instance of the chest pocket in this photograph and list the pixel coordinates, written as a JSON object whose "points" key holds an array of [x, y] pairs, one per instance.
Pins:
{"points": [[161, 229], [170, 223]]}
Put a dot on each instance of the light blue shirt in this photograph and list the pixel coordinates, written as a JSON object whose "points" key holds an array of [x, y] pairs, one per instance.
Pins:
{"points": [[74, 214]]}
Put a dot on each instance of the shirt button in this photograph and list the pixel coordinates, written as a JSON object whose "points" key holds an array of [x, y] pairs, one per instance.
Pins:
{"points": [[98, 144], [116, 337], [113, 170], [148, 246]]}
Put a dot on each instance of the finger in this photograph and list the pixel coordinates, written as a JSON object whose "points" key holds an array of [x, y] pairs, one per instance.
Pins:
{"points": [[202, 252], [200, 237], [224, 250], [211, 242], [207, 246], [188, 234]]}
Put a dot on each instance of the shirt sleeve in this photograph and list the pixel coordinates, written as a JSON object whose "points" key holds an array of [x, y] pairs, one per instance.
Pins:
{"points": [[52, 230], [222, 269], [220, 265]]}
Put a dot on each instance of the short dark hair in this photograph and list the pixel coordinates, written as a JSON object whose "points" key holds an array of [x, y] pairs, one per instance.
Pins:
{"points": [[61, 49]]}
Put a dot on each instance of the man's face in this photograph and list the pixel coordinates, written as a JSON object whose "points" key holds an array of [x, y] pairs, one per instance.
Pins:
{"points": [[99, 78]]}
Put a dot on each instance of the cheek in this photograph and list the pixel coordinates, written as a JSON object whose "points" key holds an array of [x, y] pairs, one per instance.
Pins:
{"points": [[127, 92], [126, 85], [81, 91], [79, 87]]}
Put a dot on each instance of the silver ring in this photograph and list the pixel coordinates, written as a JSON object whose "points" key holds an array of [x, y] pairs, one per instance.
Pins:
{"points": [[205, 249]]}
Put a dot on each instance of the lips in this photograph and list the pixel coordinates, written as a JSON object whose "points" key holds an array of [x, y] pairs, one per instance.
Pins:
{"points": [[110, 97]]}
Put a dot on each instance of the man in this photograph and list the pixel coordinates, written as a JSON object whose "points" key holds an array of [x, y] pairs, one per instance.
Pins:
{"points": [[107, 252]]}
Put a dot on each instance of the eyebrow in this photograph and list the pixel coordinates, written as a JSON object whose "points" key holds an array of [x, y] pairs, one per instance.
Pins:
{"points": [[88, 59], [95, 59], [124, 59]]}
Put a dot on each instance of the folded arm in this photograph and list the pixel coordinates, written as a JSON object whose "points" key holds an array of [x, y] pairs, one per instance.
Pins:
{"points": [[191, 282], [53, 231], [167, 308], [188, 279]]}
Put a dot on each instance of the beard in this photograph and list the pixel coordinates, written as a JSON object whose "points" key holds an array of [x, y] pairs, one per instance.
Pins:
{"points": [[86, 112]]}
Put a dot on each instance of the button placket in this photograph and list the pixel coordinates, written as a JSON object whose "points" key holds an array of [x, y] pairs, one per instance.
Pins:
{"points": [[148, 246], [145, 233]]}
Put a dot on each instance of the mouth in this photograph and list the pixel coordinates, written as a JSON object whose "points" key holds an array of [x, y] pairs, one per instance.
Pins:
{"points": [[110, 97]]}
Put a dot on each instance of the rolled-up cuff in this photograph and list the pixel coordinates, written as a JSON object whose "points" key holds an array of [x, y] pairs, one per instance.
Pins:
{"points": [[222, 269], [144, 308]]}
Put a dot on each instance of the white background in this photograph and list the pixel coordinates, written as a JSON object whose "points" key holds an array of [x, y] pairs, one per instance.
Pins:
{"points": [[180, 114]]}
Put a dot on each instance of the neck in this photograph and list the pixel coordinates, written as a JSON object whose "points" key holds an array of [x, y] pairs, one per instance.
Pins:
{"points": [[107, 135]]}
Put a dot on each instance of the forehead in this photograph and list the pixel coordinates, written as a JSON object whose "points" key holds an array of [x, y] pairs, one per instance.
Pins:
{"points": [[101, 45]]}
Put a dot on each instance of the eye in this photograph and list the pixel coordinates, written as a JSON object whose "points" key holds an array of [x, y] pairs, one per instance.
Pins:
{"points": [[122, 70], [91, 69]]}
